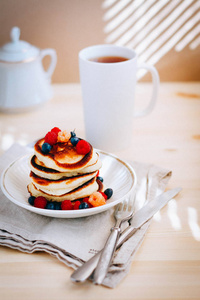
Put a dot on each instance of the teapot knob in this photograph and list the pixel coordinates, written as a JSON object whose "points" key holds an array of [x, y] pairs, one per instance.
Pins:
{"points": [[15, 34]]}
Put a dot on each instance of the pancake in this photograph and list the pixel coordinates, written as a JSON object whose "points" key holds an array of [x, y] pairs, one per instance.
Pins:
{"points": [[64, 158], [39, 169], [65, 184], [81, 192]]}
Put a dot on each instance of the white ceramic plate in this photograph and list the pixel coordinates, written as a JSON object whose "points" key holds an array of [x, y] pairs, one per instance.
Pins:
{"points": [[116, 173]]}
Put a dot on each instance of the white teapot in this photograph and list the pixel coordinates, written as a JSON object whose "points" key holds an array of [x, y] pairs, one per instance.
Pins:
{"points": [[24, 84]]}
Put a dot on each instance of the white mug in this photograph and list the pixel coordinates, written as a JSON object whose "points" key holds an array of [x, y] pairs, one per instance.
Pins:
{"points": [[108, 91]]}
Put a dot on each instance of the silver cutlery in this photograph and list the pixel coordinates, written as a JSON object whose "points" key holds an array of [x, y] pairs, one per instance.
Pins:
{"points": [[123, 212], [139, 218]]}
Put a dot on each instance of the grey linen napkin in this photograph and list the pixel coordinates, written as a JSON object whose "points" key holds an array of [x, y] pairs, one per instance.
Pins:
{"points": [[74, 241]]}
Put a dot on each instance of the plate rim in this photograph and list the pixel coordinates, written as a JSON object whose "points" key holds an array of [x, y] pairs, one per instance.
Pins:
{"points": [[71, 213]]}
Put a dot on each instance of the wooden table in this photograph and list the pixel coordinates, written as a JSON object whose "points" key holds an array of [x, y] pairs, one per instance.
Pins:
{"points": [[167, 265]]}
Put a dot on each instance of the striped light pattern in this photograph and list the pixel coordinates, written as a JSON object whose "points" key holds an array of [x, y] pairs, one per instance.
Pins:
{"points": [[152, 27]]}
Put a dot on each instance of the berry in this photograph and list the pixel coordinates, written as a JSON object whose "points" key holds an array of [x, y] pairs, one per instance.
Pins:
{"points": [[57, 205], [40, 202], [74, 140], [100, 178], [83, 147], [50, 205], [63, 136], [104, 195], [31, 200], [66, 205], [73, 134], [46, 148], [97, 199], [108, 193], [76, 205], [51, 138], [86, 199], [55, 130], [83, 205], [97, 174]]}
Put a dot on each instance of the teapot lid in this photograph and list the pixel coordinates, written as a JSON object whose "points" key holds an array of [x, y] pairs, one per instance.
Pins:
{"points": [[17, 50]]}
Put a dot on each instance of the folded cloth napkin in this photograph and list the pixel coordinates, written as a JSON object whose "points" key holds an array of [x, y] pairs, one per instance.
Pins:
{"points": [[74, 241]]}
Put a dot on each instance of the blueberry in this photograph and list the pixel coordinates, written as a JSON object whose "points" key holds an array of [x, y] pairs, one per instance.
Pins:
{"points": [[73, 134], [31, 200], [100, 178], [83, 205], [57, 205], [108, 193], [50, 205], [46, 148], [74, 140]]}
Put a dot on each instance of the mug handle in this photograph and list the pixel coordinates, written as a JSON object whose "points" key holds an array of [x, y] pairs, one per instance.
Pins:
{"points": [[155, 80], [51, 68]]}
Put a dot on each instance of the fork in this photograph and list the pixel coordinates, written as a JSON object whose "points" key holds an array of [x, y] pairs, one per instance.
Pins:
{"points": [[123, 212]]}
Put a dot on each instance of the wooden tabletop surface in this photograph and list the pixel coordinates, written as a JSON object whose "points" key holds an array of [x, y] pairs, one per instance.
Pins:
{"points": [[167, 265]]}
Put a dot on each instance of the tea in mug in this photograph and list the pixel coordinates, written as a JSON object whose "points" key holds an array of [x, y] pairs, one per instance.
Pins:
{"points": [[109, 59]]}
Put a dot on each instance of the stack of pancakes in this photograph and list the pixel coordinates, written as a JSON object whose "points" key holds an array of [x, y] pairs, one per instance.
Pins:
{"points": [[63, 174]]}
